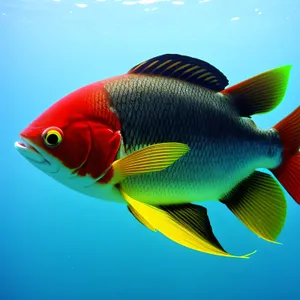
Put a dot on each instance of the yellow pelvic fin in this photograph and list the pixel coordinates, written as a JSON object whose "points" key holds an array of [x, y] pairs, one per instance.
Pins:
{"points": [[140, 218], [149, 159], [185, 224], [258, 201]]}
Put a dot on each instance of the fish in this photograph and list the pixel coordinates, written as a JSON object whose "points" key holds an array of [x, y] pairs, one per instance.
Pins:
{"points": [[169, 134]]}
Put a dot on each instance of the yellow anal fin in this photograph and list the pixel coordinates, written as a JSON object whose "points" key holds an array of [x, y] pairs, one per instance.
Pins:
{"points": [[185, 224], [258, 201], [140, 218], [152, 158]]}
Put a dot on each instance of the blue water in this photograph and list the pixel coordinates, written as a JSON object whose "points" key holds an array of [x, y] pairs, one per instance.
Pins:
{"points": [[59, 244]]}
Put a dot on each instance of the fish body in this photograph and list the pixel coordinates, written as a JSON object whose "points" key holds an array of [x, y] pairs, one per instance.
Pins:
{"points": [[167, 134], [224, 147]]}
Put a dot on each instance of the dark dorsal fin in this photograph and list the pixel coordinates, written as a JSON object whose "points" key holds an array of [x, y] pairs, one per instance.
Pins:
{"points": [[184, 68]]}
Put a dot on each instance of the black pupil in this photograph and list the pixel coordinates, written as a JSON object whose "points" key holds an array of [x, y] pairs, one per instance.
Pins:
{"points": [[52, 139]]}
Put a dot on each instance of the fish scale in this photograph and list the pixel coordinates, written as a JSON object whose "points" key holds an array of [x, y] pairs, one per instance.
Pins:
{"points": [[224, 147]]}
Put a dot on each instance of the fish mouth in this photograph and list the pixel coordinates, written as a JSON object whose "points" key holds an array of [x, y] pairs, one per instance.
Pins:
{"points": [[36, 156]]}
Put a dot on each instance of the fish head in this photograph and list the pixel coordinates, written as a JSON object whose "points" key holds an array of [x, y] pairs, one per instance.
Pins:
{"points": [[76, 140]]}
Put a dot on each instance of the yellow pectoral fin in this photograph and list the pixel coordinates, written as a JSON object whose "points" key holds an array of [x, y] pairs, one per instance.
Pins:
{"points": [[185, 224], [152, 158]]}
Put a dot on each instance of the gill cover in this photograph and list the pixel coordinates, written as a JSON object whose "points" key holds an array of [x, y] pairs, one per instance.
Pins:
{"points": [[100, 144]]}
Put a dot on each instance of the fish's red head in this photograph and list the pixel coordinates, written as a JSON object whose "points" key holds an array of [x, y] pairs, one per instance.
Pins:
{"points": [[78, 135]]}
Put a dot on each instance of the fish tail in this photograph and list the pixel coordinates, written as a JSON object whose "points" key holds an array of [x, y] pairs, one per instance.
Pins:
{"points": [[288, 173]]}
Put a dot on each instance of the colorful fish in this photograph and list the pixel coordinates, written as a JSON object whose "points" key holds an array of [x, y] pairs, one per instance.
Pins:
{"points": [[167, 134]]}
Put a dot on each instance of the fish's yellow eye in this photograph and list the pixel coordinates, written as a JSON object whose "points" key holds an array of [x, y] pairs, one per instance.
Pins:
{"points": [[52, 137]]}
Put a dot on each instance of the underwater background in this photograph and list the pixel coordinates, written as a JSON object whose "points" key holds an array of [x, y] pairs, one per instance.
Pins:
{"points": [[59, 244]]}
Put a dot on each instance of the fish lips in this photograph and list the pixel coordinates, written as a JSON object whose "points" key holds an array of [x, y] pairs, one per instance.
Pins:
{"points": [[36, 156]]}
